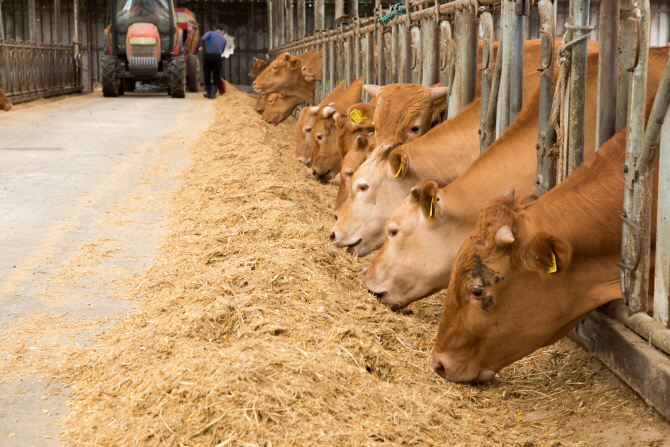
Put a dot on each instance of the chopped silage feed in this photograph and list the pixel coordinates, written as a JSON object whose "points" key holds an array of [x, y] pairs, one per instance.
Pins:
{"points": [[252, 330]]}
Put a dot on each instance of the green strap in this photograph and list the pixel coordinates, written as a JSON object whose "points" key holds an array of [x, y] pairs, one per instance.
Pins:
{"points": [[394, 11]]}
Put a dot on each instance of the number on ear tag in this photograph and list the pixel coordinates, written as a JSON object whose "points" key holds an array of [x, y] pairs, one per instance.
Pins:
{"points": [[358, 116], [553, 268], [398, 171]]}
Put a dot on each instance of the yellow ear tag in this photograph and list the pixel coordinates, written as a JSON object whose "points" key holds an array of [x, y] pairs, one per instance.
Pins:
{"points": [[432, 214], [398, 172], [552, 268], [444, 107], [357, 116]]}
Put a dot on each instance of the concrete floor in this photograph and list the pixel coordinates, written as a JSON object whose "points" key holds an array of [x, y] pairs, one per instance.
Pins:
{"points": [[83, 183]]}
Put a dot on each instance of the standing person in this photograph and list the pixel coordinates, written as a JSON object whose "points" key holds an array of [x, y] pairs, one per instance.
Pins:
{"points": [[215, 45]]}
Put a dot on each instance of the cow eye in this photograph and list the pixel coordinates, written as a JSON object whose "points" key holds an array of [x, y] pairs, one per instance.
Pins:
{"points": [[319, 137], [274, 68], [363, 187], [415, 128], [477, 292], [348, 172], [308, 129], [393, 232]]}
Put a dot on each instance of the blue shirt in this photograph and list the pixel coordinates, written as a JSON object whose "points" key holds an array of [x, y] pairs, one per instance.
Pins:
{"points": [[216, 43]]}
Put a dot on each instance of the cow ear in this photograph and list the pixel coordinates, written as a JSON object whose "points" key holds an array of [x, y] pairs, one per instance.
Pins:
{"points": [[428, 200], [547, 254], [415, 194], [361, 142], [295, 63], [399, 163], [372, 89], [361, 114]]}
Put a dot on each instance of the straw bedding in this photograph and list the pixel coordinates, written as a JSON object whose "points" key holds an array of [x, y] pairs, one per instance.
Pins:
{"points": [[250, 329]]}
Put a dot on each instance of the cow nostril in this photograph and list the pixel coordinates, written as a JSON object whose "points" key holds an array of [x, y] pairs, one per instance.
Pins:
{"points": [[365, 271], [332, 236], [438, 368], [337, 215], [314, 172], [254, 83]]}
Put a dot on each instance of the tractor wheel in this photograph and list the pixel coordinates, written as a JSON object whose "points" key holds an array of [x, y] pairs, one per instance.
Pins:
{"points": [[193, 75], [178, 77], [129, 85], [110, 85]]}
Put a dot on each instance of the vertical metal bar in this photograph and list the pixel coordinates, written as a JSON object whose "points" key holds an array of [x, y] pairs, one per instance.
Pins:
{"points": [[302, 19], [415, 72], [395, 54], [546, 165], [56, 23], [348, 63], [662, 283], [579, 16], [2, 29], [271, 28], [636, 202], [486, 21], [370, 60], [281, 22], [503, 118], [324, 65], [332, 74], [288, 14], [517, 20], [607, 71], [77, 42], [356, 41], [488, 134], [319, 14], [626, 36], [32, 23], [457, 80], [381, 54], [430, 51], [471, 33], [446, 65]]}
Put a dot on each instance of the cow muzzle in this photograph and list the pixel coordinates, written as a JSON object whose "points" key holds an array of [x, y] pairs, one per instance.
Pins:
{"points": [[446, 368]]}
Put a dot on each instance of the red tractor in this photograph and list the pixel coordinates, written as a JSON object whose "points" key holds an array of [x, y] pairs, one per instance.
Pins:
{"points": [[152, 42]]}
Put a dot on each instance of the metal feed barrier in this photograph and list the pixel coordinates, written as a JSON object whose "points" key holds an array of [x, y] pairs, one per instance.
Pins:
{"points": [[29, 71], [413, 43]]}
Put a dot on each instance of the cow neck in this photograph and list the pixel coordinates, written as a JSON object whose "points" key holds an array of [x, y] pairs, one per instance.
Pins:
{"points": [[446, 151]]}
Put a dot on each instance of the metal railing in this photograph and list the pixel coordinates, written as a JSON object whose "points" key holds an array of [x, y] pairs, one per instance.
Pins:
{"points": [[417, 47], [29, 71]]}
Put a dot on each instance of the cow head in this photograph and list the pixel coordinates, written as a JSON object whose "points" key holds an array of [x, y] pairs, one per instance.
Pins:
{"points": [[326, 159], [407, 267], [304, 132], [279, 108], [283, 76], [261, 102], [356, 155], [506, 269], [404, 112], [5, 103], [258, 67], [311, 69], [360, 226]]}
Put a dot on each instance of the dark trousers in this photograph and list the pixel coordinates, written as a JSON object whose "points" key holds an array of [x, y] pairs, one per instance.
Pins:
{"points": [[213, 65]]}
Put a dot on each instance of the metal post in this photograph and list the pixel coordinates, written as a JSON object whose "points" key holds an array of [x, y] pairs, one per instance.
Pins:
{"points": [[486, 21], [414, 72], [348, 63], [319, 14], [77, 41], [395, 54], [2, 26], [488, 134], [370, 60], [381, 52], [637, 178], [56, 24], [446, 65], [579, 16], [332, 61], [607, 71], [430, 51], [457, 80], [471, 44], [32, 24], [302, 19], [662, 283], [356, 41], [546, 165], [271, 28], [507, 36], [288, 14], [281, 23], [626, 36], [517, 19], [324, 65]]}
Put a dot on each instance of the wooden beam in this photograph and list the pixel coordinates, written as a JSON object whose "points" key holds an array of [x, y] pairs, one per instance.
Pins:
{"points": [[271, 28], [32, 23], [288, 14], [56, 23], [302, 19], [2, 23], [319, 15]]}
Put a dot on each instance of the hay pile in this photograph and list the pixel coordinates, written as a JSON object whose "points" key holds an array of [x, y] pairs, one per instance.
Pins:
{"points": [[251, 329]]}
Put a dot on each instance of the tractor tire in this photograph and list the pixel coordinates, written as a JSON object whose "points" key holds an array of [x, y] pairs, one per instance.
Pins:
{"points": [[110, 85], [193, 75], [129, 85], [178, 77]]}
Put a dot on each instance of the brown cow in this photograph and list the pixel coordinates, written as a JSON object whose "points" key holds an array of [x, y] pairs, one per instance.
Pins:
{"points": [[354, 158], [283, 76], [529, 273], [398, 272], [5, 103], [280, 107], [258, 67], [261, 102], [311, 69], [331, 141], [304, 136]]}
